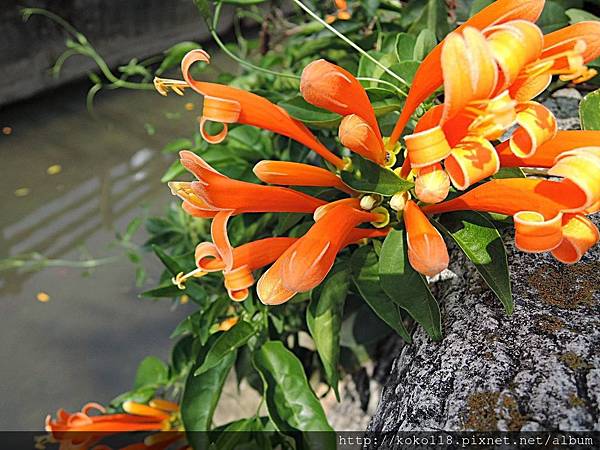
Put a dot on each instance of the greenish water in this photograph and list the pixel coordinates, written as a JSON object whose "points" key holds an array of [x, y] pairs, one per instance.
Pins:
{"points": [[85, 342]]}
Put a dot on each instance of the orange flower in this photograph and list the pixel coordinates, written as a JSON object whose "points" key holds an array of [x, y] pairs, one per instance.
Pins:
{"points": [[226, 105], [342, 12], [297, 174], [427, 252], [429, 76], [80, 430], [538, 208], [308, 261], [220, 193]]}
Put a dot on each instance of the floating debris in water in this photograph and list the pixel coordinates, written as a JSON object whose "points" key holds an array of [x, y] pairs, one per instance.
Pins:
{"points": [[7, 130], [42, 297], [189, 106], [54, 169], [22, 192]]}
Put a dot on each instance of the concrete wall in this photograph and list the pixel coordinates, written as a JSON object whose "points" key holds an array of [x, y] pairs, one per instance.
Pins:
{"points": [[119, 30]]}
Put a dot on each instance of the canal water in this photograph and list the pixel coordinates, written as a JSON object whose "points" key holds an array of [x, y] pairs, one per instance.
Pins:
{"points": [[69, 181]]}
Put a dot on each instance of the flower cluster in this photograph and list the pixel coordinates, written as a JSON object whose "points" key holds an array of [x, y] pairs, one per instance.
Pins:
{"points": [[491, 68]]}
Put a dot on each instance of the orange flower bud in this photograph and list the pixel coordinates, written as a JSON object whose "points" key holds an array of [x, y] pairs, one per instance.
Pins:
{"points": [[432, 184]]}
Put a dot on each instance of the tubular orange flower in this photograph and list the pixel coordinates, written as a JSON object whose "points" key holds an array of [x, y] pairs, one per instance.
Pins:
{"points": [[536, 205], [220, 193], [429, 75], [297, 174], [226, 105], [137, 417], [342, 12], [330, 87], [547, 153], [427, 252], [306, 263]]}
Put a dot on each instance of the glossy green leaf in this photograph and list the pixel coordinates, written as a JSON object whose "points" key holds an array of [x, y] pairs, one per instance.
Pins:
{"points": [[407, 287], [426, 41], [553, 17], [481, 242], [589, 111], [301, 110], [151, 372], [203, 7], [405, 46], [291, 403], [367, 176], [365, 275], [509, 172], [324, 320], [200, 397], [174, 170], [579, 15], [227, 342]]}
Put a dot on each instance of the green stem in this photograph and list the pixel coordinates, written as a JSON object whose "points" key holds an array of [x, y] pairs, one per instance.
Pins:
{"points": [[351, 43], [215, 36]]}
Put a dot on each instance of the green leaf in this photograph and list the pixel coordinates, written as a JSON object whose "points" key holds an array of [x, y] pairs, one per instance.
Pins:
{"points": [[172, 266], [242, 2], [291, 403], [227, 342], [478, 5], [178, 145], [174, 170], [151, 372], [366, 176], [481, 242], [200, 398], [553, 17], [509, 172], [589, 111], [203, 7], [407, 287], [175, 54], [301, 110], [324, 320], [365, 275], [579, 15], [405, 46], [426, 41]]}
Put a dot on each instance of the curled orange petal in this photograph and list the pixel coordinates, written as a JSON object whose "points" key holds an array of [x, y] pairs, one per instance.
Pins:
{"points": [[432, 184], [220, 238], [537, 125], [427, 251], [297, 174], [579, 235], [207, 257], [427, 147], [359, 136], [429, 75], [330, 87], [526, 88], [237, 282], [471, 161], [514, 44], [535, 234], [226, 104], [582, 168]]}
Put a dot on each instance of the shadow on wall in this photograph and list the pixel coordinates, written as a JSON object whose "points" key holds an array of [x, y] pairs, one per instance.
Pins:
{"points": [[120, 30]]}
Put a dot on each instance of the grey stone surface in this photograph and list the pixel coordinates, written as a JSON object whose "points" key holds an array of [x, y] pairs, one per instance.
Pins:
{"points": [[538, 369], [119, 30]]}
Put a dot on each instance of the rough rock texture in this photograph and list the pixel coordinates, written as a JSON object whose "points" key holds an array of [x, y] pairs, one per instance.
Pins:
{"points": [[538, 369]]}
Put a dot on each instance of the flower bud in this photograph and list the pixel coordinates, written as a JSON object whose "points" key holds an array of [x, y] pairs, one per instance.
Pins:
{"points": [[398, 201], [432, 184]]}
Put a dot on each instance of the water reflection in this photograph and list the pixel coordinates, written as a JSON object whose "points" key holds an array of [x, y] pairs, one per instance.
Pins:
{"points": [[85, 342]]}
